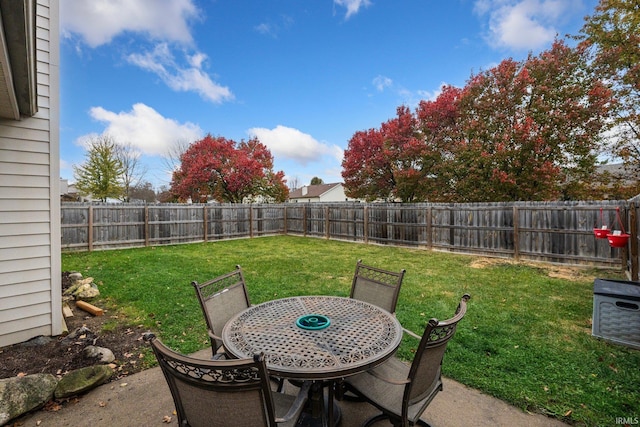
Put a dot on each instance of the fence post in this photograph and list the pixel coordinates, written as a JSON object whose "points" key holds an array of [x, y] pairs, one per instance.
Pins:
{"points": [[304, 221], [624, 252], [286, 227], [90, 232], [205, 225], [633, 230], [250, 221], [516, 234], [429, 229], [326, 222], [365, 232], [452, 229], [146, 225]]}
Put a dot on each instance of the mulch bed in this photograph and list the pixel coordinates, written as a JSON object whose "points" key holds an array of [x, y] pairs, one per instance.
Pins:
{"points": [[58, 355]]}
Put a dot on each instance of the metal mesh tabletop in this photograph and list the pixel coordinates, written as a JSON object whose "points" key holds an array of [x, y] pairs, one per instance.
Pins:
{"points": [[359, 336]]}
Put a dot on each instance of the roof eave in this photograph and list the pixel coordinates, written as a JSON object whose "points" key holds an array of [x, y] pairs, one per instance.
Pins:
{"points": [[18, 56]]}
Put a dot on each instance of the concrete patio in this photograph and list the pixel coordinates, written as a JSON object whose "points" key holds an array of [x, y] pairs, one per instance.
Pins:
{"points": [[143, 399]]}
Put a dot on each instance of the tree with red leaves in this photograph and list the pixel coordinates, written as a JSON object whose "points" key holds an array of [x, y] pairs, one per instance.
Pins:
{"points": [[223, 170], [366, 171], [530, 130], [613, 32], [523, 130]]}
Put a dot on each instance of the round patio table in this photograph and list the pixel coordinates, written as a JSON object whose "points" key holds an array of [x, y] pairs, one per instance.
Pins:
{"points": [[351, 336]]}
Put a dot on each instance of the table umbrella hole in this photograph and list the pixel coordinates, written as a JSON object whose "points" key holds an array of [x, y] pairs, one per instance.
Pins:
{"points": [[313, 321]]}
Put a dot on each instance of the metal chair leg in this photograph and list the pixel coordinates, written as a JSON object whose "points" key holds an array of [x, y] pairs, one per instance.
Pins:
{"points": [[381, 417]]}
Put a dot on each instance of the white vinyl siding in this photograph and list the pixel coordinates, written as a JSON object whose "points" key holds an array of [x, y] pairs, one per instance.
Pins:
{"points": [[30, 278]]}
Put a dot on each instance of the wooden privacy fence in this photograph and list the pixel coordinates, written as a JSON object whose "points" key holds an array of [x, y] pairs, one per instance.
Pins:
{"points": [[548, 231]]}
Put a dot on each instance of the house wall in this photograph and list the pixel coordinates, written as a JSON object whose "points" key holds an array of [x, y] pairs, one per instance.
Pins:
{"points": [[30, 277], [335, 194]]}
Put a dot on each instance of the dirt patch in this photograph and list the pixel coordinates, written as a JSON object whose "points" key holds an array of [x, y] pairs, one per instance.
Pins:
{"points": [[58, 355], [552, 270]]}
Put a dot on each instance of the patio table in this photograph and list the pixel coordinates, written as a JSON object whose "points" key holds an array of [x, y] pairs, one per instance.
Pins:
{"points": [[359, 336]]}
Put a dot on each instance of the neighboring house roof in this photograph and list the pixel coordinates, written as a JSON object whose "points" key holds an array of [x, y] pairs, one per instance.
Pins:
{"points": [[18, 95], [312, 191], [618, 170]]}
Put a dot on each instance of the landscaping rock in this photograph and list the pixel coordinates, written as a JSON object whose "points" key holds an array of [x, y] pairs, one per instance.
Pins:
{"points": [[37, 341], [87, 291], [81, 288], [74, 276], [19, 395], [81, 380], [104, 355], [78, 334], [75, 284]]}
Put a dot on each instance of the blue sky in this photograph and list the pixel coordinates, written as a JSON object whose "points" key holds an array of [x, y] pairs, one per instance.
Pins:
{"points": [[301, 75]]}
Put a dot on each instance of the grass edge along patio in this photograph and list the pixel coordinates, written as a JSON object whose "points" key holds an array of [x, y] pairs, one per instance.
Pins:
{"points": [[526, 338]]}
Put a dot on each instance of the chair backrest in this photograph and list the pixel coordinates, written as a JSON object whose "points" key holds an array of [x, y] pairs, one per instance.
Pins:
{"points": [[220, 299], [425, 373], [215, 393], [376, 286]]}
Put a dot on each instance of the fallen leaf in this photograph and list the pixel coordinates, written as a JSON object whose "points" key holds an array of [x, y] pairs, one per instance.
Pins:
{"points": [[21, 374], [38, 422], [613, 368], [52, 406], [166, 419], [141, 356], [569, 412]]}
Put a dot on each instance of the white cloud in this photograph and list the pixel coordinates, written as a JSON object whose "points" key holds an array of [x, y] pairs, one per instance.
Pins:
{"points": [[265, 28], [144, 128], [274, 27], [381, 83], [97, 22], [432, 95], [179, 78], [293, 144], [524, 24], [352, 6]]}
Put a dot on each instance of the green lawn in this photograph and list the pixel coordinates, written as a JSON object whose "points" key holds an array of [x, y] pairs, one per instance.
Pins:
{"points": [[526, 338]]}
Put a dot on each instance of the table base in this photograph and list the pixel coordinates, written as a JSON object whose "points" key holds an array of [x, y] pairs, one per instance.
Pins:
{"points": [[308, 420], [316, 413]]}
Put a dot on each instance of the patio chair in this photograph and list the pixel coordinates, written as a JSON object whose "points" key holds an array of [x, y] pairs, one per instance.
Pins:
{"points": [[403, 392], [225, 392], [220, 299], [376, 286]]}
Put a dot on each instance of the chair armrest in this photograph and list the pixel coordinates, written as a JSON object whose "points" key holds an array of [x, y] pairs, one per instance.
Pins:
{"points": [[296, 407], [212, 335], [412, 334]]}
